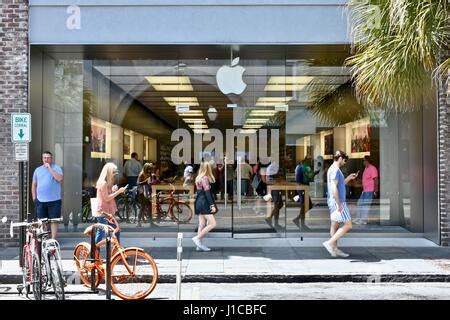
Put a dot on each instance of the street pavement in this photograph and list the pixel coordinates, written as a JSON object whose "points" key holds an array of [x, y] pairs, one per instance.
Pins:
{"points": [[266, 291], [275, 260]]}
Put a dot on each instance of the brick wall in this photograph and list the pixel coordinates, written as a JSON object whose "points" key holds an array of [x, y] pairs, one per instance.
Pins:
{"points": [[13, 98], [444, 157]]}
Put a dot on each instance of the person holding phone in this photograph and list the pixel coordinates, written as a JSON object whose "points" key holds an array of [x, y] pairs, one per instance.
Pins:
{"points": [[370, 187], [107, 191], [336, 203]]}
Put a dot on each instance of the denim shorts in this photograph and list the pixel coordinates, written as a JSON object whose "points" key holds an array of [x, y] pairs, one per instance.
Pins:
{"points": [[50, 210]]}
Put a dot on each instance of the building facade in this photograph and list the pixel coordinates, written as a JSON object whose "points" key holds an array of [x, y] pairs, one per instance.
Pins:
{"points": [[230, 82]]}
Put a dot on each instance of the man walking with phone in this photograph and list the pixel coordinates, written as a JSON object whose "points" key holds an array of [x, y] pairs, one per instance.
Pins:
{"points": [[337, 205], [46, 190]]}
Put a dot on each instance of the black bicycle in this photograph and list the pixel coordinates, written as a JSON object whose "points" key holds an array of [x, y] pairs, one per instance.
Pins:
{"points": [[128, 206]]}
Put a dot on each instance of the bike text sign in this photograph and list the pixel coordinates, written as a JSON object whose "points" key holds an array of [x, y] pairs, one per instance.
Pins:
{"points": [[20, 127]]}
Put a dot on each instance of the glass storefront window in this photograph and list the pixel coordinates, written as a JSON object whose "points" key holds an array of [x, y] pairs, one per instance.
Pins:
{"points": [[259, 114]]}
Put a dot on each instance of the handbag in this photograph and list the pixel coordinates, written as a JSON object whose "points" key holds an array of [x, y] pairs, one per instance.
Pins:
{"points": [[216, 209]]}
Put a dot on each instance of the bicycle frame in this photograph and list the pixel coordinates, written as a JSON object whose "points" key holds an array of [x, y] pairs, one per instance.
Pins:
{"points": [[115, 245]]}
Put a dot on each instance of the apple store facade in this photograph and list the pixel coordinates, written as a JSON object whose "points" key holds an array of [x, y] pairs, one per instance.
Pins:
{"points": [[181, 82]]}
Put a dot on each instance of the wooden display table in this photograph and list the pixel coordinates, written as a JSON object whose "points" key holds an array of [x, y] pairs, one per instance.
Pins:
{"points": [[286, 187]]}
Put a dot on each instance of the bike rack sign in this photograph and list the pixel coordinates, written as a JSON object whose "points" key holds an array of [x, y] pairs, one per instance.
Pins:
{"points": [[21, 151], [20, 127]]}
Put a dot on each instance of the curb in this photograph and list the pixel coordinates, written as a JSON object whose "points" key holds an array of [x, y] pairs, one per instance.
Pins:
{"points": [[279, 278]]}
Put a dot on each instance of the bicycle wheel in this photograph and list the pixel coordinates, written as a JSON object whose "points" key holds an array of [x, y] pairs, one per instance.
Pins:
{"points": [[36, 277], [181, 212], [138, 283], [27, 261], [81, 253], [56, 276]]}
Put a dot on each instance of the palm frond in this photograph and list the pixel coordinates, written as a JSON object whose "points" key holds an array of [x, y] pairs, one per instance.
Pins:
{"points": [[395, 57]]}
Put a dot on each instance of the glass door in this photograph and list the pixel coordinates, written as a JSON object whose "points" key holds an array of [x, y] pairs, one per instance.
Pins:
{"points": [[258, 126]]}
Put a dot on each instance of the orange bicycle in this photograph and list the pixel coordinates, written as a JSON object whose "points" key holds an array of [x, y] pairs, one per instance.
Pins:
{"points": [[134, 273], [169, 205]]}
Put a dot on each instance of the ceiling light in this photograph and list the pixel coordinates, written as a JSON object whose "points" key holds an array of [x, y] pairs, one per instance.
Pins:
{"points": [[194, 120], [198, 126], [191, 113], [252, 126], [212, 113], [271, 101], [260, 113], [257, 120], [284, 87], [173, 101], [170, 83], [287, 83]]}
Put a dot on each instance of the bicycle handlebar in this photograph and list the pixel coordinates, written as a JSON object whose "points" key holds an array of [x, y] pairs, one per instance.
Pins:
{"points": [[37, 224]]}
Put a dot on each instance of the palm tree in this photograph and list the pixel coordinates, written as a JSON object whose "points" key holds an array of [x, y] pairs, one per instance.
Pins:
{"points": [[397, 44]]}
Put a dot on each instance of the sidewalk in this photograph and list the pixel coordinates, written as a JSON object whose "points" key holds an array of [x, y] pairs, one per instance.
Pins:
{"points": [[276, 260]]}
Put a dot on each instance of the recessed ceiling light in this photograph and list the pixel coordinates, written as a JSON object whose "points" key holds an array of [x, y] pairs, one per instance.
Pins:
{"points": [[191, 113], [170, 83], [257, 120], [194, 120], [287, 83], [252, 126], [173, 101], [271, 101], [263, 113]]}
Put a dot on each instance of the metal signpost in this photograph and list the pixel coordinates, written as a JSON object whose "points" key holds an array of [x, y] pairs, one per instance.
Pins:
{"points": [[21, 136]]}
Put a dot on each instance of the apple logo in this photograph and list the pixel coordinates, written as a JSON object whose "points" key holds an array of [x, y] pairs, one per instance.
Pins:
{"points": [[229, 78]]}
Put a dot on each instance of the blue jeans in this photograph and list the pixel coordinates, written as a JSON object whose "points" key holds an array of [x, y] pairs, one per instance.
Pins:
{"points": [[244, 186], [364, 202], [100, 233]]}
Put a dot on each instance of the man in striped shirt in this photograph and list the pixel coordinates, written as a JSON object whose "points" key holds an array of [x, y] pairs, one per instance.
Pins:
{"points": [[337, 205]]}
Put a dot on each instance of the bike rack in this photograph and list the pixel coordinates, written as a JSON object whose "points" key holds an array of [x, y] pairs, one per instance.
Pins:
{"points": [[108, 262]]}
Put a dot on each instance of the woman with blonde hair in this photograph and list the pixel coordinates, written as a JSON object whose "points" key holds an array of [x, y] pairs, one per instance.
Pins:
{"points": [[204, 205], [106, 193]]}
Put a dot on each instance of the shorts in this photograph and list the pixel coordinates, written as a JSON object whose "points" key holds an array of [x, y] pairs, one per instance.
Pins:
{"points": [[50, 210], [345, 214]]}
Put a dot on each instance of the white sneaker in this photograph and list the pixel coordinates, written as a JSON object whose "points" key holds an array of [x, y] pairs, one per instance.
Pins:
{"points": [[329, 249], [197, 241], [341, 253], [200, 245], [357, 221]]}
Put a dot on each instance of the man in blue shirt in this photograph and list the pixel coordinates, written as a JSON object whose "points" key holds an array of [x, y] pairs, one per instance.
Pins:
{"points": [[337, 205], [46, 190]]}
